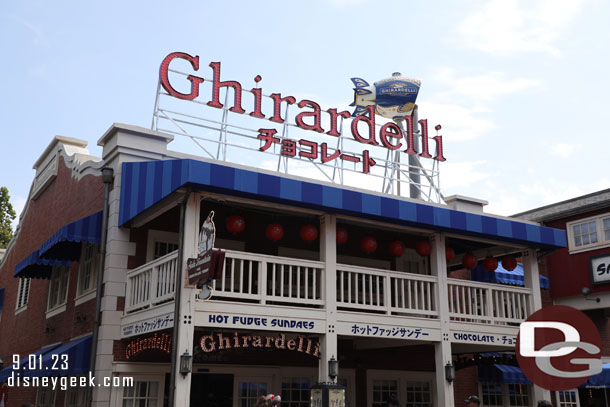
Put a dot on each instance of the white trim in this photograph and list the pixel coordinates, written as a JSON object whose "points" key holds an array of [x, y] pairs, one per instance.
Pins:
{"points": [[20, 310], [61, 303], [158, 236], [116, 397], [55, 311], [599, 228], [402, 377], [575, 391], [83, 298]]}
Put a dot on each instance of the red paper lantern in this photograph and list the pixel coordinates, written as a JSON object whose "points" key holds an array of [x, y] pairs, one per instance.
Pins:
{"points": [[469, 261], [368, 244], [509, 263], [309, 233], [423, 247], [274, 232], [397, 248], [341, 235], [236, 224], [490, 263], [449, 253]]}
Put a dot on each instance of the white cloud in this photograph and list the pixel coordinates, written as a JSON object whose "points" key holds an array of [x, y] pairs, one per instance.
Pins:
{"points": [[485, 87], [459, 122], [505, 27], [461, 174], [38, 36], [565, 150], [468, 101]]}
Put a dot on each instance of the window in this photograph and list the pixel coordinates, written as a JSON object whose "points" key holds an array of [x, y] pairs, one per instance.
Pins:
{"points": [[45, 397], [383, 390], [163, 248], [76, 397], [567, 398], [142, 394], [23, 292], [159, 243], [58, 288], [87, 271], [249, 392], [585, 234], [418, 394], [295, 392], [518, 395], [492, 394]]}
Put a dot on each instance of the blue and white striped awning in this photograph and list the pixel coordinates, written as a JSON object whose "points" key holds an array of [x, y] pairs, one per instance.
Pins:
{"points": [[34, 266], [78, 353], [498, 373], [143, 184], [503, 276], [65, 244]]}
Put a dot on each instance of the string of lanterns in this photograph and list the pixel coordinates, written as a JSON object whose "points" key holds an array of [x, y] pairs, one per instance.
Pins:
{"points": [[308, 233]]}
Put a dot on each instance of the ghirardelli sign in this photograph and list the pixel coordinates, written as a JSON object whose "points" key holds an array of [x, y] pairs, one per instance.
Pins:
{"points": [[209, 262], [391, 98]]}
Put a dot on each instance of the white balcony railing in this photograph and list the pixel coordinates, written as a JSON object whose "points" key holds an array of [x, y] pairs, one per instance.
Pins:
{"points": [[263, 279], [488, 303], [270, 279], [390, 292], [151, 284]]}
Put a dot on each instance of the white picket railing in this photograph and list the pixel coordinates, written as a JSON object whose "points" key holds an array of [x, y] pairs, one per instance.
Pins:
{"points": [[487, 303], [270, 279], [264, 279], [390, 292], [152, 283]]}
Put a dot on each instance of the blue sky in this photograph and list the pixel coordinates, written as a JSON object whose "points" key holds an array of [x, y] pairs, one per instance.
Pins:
{"points": [[520, 87]]}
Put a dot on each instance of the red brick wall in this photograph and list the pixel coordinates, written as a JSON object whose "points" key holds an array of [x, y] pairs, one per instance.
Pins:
{"points": [[65, 200], [465, 385], [570, 272]]}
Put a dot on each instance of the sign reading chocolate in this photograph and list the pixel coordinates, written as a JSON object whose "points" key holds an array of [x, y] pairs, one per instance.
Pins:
{"points": [[389, 136], [220, 341]]}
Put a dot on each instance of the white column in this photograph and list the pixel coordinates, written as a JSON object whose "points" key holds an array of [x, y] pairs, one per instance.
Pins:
{"points": [[531, 278], [442, 350], [118, 250], [186, 332], [328, 255]]}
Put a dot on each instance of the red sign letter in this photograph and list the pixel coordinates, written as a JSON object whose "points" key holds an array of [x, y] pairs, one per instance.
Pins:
{"points": [[385, 132], [195, 81], [216, 90], [370, 121], [315, 114]]}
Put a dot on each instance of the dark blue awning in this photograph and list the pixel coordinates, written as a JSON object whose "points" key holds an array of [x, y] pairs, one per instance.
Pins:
{"points": [[1, 298], [23, 363], [503, 276], [144, 184], [65, 244], [501, 374], [78, 352], [601, 379], [35, 267]]}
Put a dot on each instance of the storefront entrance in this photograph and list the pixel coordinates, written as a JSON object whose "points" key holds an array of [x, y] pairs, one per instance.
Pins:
{"points": [[213, 390]]}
